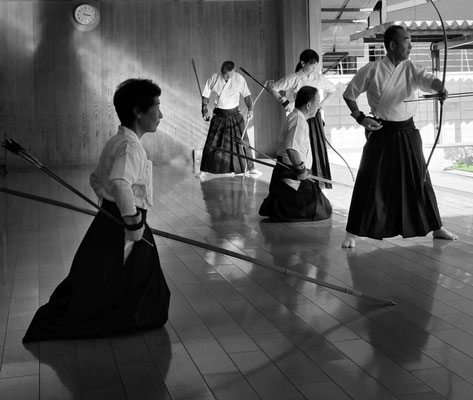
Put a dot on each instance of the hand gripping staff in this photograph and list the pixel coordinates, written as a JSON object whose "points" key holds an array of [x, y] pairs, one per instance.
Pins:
{"points": [[216, 249], [17, 149], [335, 151]]}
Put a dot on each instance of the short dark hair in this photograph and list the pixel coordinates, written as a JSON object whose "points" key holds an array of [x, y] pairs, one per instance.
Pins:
{"points": [[390, 34], [304, 95], [134, 93], [227, 66]]}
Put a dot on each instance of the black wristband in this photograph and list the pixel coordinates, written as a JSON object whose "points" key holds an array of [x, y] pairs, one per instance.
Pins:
{"points": [[360, 118], [286, 103], [137, 226], [300, 167]]}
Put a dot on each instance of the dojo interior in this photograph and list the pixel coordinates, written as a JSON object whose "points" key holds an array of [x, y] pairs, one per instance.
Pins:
{"points": [[236, 329]]}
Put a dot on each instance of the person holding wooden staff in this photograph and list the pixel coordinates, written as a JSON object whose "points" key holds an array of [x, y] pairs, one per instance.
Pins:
{"points": [[115, 284], [306, 75], [226, 123], [292, 196]]}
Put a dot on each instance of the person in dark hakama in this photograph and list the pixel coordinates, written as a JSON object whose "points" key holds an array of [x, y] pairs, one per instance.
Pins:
{"points": [[306, 75], [393, 194], [292, 196], [227, 122], [115, 284]]}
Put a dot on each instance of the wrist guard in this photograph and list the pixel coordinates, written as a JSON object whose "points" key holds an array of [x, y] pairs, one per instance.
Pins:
{"points": [[284, 102], [360, 118], [137, 226]]}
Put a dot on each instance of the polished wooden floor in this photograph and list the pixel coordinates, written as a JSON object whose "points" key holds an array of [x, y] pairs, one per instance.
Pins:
{"points": [[237, 330]]}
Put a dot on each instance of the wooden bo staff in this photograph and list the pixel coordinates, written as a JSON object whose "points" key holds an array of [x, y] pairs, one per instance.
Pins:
{"points": [[17, 149], [216, 249], [310, 176], [196, 77]]}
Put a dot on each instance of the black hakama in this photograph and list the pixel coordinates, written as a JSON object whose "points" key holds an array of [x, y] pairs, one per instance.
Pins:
{"points": [[101, 296], [390, 196], [284, 203], [225, 125], [321, 165]]}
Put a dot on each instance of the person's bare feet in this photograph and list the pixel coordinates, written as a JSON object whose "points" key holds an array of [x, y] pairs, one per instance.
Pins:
{"points": [[442, 233], [349, 241]]}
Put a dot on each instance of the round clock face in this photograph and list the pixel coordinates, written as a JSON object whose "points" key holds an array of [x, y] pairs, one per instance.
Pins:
{"points": [[85, 14]]}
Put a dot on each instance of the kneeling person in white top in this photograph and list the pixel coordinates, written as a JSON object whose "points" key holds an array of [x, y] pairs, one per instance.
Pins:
{"points": [[292, 196], [115, 284]]}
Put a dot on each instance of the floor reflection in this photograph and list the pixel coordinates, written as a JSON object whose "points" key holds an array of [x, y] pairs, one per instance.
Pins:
{"points": [[402, 331], [294, 250], [226, 201], [62, 363]]}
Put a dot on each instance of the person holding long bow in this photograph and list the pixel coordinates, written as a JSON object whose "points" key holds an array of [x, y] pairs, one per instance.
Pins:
{"points": [[227, 123], [393, 194]]}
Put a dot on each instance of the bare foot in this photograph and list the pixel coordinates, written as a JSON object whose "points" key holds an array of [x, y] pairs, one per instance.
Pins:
{"points": [[200, 175], [442, 233], [349, 241]]}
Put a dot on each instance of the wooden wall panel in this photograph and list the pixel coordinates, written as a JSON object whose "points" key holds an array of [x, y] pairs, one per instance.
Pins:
{"points": [[60, 90], [16, 71]]}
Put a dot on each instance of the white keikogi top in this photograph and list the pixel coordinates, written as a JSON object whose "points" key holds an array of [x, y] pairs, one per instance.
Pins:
{"points": [[295, 135], [124, 157], [387, 86], [228, 93], [292, 83]]}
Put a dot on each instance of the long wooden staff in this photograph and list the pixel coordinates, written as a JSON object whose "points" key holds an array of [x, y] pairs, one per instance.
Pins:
{"points": [[196, 77], [314, 177], [216, 249], [17, 149]]}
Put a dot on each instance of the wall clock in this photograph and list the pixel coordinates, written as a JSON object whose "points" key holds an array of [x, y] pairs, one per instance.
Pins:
{"points": [[86, 16]]}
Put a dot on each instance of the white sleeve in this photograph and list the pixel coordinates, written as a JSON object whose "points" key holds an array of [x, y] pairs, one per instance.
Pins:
{"points": [[127, 164], [424, 78], [359, 84], [285, 83], [209, 84], [122, 192], [244, 90], [326, 85]]}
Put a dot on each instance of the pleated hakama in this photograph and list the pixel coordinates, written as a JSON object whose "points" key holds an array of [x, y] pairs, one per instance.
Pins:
{"points": [[225, 125], [390, 196], [285, 203], [102, 296]]}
